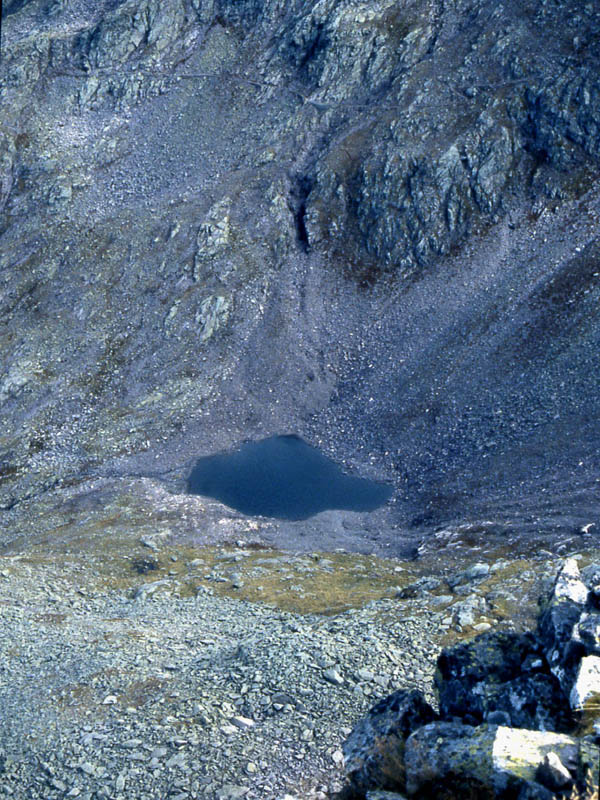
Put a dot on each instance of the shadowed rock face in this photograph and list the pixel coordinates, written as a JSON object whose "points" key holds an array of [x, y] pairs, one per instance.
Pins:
{"points": [[372, 223]]}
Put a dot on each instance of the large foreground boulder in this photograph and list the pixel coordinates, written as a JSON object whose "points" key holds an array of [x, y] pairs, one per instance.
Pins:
{"points": [[485, 761], [374, 751]]}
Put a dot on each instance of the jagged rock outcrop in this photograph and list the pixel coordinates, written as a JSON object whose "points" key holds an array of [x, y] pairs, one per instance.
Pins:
{"points": [[510, 718]]}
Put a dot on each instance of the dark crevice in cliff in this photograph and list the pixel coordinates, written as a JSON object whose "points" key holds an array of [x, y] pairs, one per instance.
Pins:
{"points": [[298, 198]]}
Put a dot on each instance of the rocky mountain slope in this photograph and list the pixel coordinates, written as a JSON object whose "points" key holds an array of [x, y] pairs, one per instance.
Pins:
{"points": [[373, 224], [370, 223]]}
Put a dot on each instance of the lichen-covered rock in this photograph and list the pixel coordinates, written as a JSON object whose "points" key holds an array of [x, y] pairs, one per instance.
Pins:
{"points": [[374, 751], [588, 768], [587, 632], [530, 701], [468, 671], [591, 578], [486, 761], [569, 585], [557, 623]]}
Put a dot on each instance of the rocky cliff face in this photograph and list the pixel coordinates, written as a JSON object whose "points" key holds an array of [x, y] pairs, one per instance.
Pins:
{"points": [[371, 223]]}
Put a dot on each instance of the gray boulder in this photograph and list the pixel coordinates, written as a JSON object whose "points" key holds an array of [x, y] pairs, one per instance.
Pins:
{"points": [[561, 613], [469, 674], [445, 758], [420, 587], [374, 751], [535, 791]]}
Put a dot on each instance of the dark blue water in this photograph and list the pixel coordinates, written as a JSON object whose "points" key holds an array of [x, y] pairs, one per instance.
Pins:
{"points": [[283, 477]]}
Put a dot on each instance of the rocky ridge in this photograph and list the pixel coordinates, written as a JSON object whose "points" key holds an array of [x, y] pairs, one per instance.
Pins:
{"points": [[517, 713]]}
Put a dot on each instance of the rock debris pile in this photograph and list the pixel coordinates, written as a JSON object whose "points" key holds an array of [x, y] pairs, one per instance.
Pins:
{"points": [[518, 713]]}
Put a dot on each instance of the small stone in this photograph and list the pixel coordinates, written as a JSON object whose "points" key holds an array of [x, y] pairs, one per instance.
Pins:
{"points": [[231, 791], [228, 730], [109, 700], [243, 722], [477, 571], [148, 542], [333, 676], [437, 601], [177, 760], [499, 718], [120, 782], [282, 698], [337, 757], [59, 785]]}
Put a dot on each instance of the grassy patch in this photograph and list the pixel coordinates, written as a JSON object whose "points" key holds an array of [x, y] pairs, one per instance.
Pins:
{"points": [[320, 583], [316, 583]]}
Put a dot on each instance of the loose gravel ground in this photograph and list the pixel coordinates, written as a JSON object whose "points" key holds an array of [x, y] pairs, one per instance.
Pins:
{"points": [[142, 689]]}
